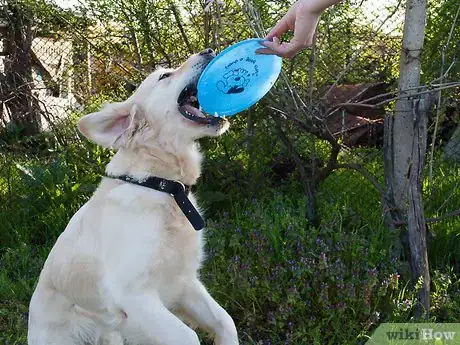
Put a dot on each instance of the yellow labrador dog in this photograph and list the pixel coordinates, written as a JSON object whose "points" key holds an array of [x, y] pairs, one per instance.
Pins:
{"points": [[127, 264]]}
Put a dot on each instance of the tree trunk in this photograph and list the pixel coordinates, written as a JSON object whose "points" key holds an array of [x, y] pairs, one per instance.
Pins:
{"points": [[415, 214], [22, 104], [405, 148]]}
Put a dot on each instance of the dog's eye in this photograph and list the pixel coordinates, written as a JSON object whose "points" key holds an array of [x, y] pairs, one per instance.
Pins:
{"points": [[164, 76]]}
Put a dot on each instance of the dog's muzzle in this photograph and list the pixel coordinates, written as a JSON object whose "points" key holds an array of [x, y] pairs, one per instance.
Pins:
{"points": [[188, 103]]}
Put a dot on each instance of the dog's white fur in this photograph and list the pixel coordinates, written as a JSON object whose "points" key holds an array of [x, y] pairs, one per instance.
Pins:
{"points": [[127, 263]]}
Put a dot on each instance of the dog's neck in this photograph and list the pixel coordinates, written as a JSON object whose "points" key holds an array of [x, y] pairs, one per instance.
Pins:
{"points": [[142, 162]]}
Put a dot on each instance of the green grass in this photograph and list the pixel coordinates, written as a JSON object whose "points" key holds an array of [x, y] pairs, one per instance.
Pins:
{"points": [[282, 280]]}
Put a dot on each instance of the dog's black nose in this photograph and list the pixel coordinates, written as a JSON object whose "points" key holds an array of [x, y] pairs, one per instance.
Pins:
{"points": [[208, 51]]}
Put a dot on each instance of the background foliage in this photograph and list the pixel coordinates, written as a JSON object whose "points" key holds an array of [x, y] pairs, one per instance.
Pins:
{"points": [[284, 280]]}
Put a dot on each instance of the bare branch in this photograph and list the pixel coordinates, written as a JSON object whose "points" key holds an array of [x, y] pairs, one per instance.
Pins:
{"points": [[433, 220], [445, 73], [359, 51], [365, 173], [307, 183], [454, 23], [362, 104], [180, 26], [438, 108]]}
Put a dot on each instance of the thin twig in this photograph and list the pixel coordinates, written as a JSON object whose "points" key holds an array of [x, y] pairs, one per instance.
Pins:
{"points": [[436, 124], [452, 27], [448, 198], [438, 107], [359, 51], [365, 173], [102, 52], [413, 95], [446, 73], [180, 26], [433, 220], [307, 183], [311, 86], [380, 104]]}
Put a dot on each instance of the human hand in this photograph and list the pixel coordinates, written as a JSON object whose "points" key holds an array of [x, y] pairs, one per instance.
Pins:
{"points": [[302, 18]]}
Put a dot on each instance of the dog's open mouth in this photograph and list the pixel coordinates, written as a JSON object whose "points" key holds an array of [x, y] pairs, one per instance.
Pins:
{"points": [[190, 108]]}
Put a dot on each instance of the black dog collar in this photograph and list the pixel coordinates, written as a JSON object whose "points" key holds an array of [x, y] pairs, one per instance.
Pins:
{"points": [[174, 188]]}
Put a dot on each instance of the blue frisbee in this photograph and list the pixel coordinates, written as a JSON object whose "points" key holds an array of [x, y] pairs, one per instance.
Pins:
{"points": [[237, 78]]}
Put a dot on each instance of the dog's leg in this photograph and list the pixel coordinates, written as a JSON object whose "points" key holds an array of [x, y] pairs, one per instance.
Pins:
{"points": [[149, 322], [198, 305]]}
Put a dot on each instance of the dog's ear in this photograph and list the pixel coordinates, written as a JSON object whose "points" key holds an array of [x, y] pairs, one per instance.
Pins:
{"points": [[113, 126]]}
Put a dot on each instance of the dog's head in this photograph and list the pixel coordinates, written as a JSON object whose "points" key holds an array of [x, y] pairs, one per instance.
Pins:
{"points": [[164, 104]]}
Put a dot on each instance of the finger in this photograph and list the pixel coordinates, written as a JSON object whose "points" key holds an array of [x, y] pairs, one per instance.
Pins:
{"points": [[288, 49], [291, 48], [266, 51], [271, 44], [280, 28]]}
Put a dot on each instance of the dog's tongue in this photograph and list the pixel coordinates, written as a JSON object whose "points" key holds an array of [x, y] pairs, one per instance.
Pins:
{"points": [[192, 110]]}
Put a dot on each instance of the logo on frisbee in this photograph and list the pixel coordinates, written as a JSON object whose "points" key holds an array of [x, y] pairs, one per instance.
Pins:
{"points": [[234, 81]]}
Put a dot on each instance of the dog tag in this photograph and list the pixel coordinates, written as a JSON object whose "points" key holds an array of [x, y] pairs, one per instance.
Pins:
{"points": [[237, 78]]}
